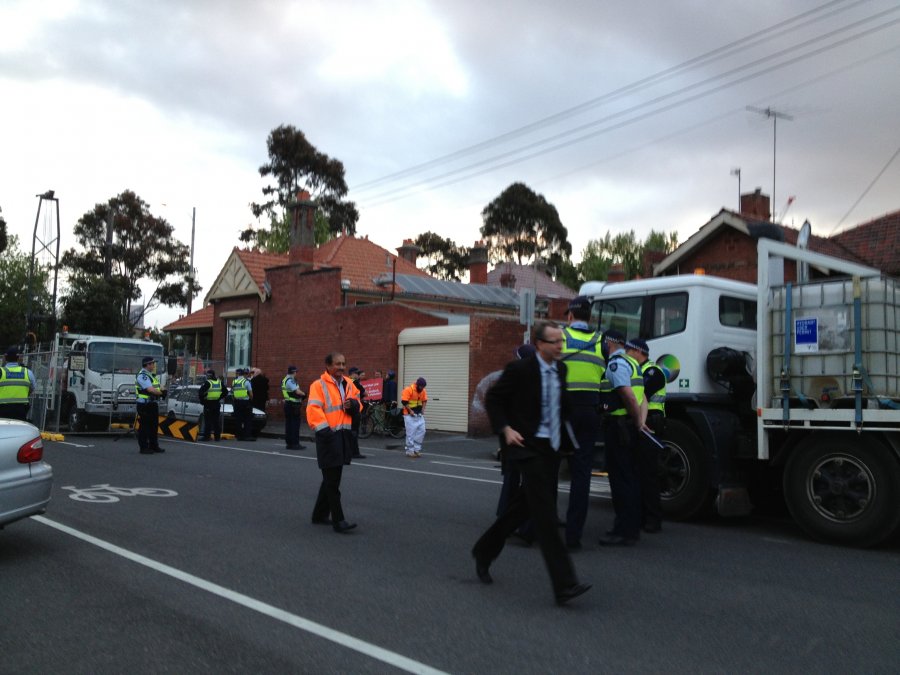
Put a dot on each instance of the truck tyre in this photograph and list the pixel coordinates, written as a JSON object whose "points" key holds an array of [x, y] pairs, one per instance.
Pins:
{"points": [[844, 489], [683, 472], [76, 418]]}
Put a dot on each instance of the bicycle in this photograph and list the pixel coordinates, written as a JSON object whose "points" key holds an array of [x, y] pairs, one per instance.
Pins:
{"points": [[387, 422]]}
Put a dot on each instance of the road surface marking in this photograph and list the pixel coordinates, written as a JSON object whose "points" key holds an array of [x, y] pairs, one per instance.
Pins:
{"points": [[366, 648]]}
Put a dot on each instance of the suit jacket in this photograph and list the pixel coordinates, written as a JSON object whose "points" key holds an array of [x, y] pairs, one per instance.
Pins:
{"points": [[515, 400]]}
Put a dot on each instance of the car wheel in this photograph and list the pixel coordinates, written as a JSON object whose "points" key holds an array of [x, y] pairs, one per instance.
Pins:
{"points": [[844, 489]]}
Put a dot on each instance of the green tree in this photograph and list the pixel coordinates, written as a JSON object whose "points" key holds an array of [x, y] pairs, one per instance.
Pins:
{"points": [[3, 240], [94, 305], [277, 239], [142, 248], [444, 258], [521, 224], [294, 165], [13, 298], [601, 254]]}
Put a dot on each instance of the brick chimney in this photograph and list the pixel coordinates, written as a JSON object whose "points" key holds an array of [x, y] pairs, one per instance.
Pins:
{"points": [[478, 262], [507, 280], [616, 273], [755, 205], [409, 251], [303, 228]]}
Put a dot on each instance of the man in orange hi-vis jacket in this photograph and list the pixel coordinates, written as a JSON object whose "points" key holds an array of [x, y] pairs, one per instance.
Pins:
{"points": [[333, 399]]}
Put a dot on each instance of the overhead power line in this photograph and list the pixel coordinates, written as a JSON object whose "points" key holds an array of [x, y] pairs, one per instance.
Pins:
{"points": [[754, 39], [865, 192], [509, 158]]}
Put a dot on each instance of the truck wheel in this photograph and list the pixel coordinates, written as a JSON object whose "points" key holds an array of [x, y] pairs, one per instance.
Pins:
{"points": [[683, 472], [844, 489], [77, 419]]}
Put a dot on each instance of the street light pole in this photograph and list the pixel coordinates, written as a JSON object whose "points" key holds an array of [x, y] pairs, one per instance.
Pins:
{"points": [[737, 172]]}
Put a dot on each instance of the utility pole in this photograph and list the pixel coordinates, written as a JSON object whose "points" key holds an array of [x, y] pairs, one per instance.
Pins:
{"points": [[737, 172], [774, 115], [190, 278]]}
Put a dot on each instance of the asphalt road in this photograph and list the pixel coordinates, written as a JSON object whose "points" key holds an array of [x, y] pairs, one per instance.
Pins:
{"points": [[203, 559]]}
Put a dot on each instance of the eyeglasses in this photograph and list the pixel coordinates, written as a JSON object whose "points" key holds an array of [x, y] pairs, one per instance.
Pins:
{"points": [[550, 342]]}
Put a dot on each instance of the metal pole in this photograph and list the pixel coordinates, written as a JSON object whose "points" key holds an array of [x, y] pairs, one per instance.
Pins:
{"points": [[191, 271]]}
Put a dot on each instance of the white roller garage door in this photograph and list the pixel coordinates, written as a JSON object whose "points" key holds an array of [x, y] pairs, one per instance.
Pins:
{"points": [[441, 356]]}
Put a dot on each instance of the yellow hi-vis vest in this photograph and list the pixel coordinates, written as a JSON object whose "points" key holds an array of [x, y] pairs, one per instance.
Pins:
{"points": [[637, 384], [214, 393], [142, 395], [15, 384], [584, 360], [656, 400], [239, 389]]}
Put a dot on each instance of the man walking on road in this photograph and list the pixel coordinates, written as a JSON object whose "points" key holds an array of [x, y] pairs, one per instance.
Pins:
{"points": [[333, 399], [528, 408], [414, 398]]}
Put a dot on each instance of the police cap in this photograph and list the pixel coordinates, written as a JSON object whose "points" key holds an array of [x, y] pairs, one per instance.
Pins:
{"points": [[638, 345]]}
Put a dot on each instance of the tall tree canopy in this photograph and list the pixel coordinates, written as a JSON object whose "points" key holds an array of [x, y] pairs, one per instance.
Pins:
{"points": [[601, 254], [13, 298], [444, 259], [3, 240], [294, 165], [142, 248], [520, 224], [277, 239]]}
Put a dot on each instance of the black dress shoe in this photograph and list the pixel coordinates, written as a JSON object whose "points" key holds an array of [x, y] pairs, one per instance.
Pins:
{"points": [[571, 592], [146, 452], [483, 572], [294, 447], [158, 449], [359, 456], [321, 521], [617, 540], [343, 527], [203, 438]]}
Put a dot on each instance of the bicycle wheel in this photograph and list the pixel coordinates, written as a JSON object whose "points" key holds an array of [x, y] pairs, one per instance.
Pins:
{"points": [[395, 426], [366, 425]]}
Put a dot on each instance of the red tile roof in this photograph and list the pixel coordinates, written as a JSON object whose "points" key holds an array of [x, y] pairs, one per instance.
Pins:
{"points": [[527, 277], [202, 318], [877, 242]]}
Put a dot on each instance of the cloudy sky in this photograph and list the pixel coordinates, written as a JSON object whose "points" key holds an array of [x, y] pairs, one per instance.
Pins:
{"points": [[624, 115]]}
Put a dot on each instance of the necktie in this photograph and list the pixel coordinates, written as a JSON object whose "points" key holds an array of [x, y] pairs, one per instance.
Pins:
{"points": [[551, 406]]}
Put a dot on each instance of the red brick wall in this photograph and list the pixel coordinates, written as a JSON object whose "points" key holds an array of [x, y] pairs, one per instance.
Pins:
{"points": [[492, 340], [732, 255]]}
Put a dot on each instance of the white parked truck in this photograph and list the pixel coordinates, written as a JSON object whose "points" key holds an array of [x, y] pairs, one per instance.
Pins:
{"points": [[775, 388], [92, 378]]}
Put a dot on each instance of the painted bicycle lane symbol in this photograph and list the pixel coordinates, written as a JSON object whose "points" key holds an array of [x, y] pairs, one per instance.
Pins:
{"points": [[104, 493]]}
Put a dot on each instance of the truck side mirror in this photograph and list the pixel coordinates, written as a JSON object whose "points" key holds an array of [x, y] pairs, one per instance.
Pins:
{"points": [[172, 366]]}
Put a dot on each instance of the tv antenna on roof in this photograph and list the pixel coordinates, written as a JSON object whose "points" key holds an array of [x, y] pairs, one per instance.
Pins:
{"points": [[775, 115]]}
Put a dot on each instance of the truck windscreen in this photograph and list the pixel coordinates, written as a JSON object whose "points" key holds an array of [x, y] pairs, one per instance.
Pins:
{"points": [[120, 357]]}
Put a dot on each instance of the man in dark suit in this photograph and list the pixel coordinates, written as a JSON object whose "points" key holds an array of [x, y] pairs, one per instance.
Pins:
{"points": [[527, 409]]}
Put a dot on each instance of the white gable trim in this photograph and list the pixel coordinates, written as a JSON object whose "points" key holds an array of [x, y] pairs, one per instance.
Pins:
{"points": [[234, 281]]}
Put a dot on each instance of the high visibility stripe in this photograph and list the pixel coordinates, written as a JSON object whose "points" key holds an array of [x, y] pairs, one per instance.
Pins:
{"points": [[142, 395], [584, 360], [214, 393]]}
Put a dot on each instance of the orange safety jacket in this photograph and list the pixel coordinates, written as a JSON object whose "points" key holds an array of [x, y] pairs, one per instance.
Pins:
{"points": [[325, 406], [413, 398]]}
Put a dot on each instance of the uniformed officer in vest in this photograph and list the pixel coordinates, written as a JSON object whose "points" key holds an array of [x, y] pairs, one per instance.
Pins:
{"points": [[648, 451], [293, 397], [146, 386], [241, 393], [212, 391], [16, 385], [582, 352], [622, 389]]}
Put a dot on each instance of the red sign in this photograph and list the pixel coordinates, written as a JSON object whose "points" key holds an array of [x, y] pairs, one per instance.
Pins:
{"points": [[373, 389]]}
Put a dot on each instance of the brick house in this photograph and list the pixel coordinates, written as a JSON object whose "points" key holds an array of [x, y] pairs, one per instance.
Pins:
{"points": [[726, 245]]}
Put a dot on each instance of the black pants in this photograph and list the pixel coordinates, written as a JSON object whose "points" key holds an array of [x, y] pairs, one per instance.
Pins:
{"points": [[148, 413], [291, 424], [212, 420], [585, 424], [14, 411], [620, 438], [329, 498], [243, 414], [535, 500], [648, 465]]}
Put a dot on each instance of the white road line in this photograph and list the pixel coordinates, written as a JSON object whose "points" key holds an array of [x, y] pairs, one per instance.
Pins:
{"points": [[495, 469], [366, 648]]}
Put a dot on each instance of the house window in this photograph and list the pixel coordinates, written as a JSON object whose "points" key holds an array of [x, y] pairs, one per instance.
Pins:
{"points": [[237, 348]]}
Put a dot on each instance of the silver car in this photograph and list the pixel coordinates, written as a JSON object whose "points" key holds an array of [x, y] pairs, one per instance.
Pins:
{"points": [[25, 478], [185, 404]]}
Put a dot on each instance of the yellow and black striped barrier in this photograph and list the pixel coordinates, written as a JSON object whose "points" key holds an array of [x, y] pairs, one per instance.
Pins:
{"points": [[186, 431]]}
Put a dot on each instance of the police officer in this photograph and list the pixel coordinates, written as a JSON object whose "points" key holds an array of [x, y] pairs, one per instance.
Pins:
{"points": [[16, 385], [582, 352], [241, 393], [212, 391], [623, 391], [146, 386], [648, 450], [293, 396]]}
